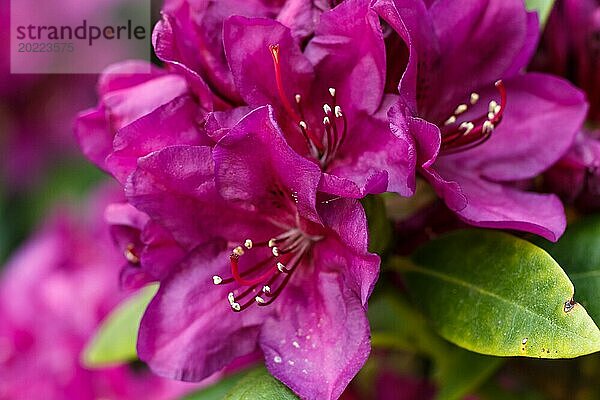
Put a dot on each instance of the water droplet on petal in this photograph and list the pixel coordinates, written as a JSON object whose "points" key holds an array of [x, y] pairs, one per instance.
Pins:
{"points": [[277, 360]]}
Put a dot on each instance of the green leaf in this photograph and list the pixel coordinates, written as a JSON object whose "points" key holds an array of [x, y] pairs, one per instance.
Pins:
{"points": [[260, 385], [578, 251], [380, 229], [115, 340], [397, 325], [542, 7], [218, 390], [495, 294]]}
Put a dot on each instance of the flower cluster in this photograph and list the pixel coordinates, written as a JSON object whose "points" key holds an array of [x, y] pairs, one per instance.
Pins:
{"points": [[244, 159]]}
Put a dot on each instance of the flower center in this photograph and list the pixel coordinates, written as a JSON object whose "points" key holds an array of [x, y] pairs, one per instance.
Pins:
{"points": [[334, 121], [262, 282], [460, 134]]}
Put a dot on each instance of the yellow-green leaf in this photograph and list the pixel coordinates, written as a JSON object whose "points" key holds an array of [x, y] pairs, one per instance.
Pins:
{"points": [[495, 294], [116, 338], [260, 385], [578, 252], [542, 7]]}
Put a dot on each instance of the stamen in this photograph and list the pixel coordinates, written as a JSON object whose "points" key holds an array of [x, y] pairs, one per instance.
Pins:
{"points": [[473, 133], [460, 109], [248, 244], [130, 254], [450, 120], [338, 112], [292, 245]]}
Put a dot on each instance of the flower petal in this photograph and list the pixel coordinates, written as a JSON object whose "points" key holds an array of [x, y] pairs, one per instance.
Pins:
{"points": [[254, 158], [495, 205], [349, 53], [247, 42], [320, 340], [189, 330], [372, 160], [170, 124]]}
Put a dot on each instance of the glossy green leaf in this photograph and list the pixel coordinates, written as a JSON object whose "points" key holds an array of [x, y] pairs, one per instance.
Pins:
{"points": [[380, 229], [578, 252], [219, 389], [260, 385], [397, 325], [542, 7], [116, 338], [495, 294]]}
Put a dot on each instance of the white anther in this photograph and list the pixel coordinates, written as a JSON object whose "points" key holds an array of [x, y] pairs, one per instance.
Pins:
{"points": [[236, 307], [238, 251], [259, 300], [129, 256], [467, 126], [497, 109], [491, 115], [303, 125], [281, 268], [272, 242], [338, 112], [492, 106], [326, 121], [231, 297], [332, 91], [266, 289], [217, 280], [326, 108], [450, 120], [275, 251], [298, 98], [474, 98], [248, 244], [488, 127], [460, 109]]}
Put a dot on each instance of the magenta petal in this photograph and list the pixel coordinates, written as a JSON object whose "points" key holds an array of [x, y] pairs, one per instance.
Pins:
{"points": [[411, 21], [165, 41], [189, 330], [471, 53], [349, 252], [348, 49], [372, 160], [94, 135], [247, 42], [254, 158], [494, 205], [174, 123], [320, 341]]}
